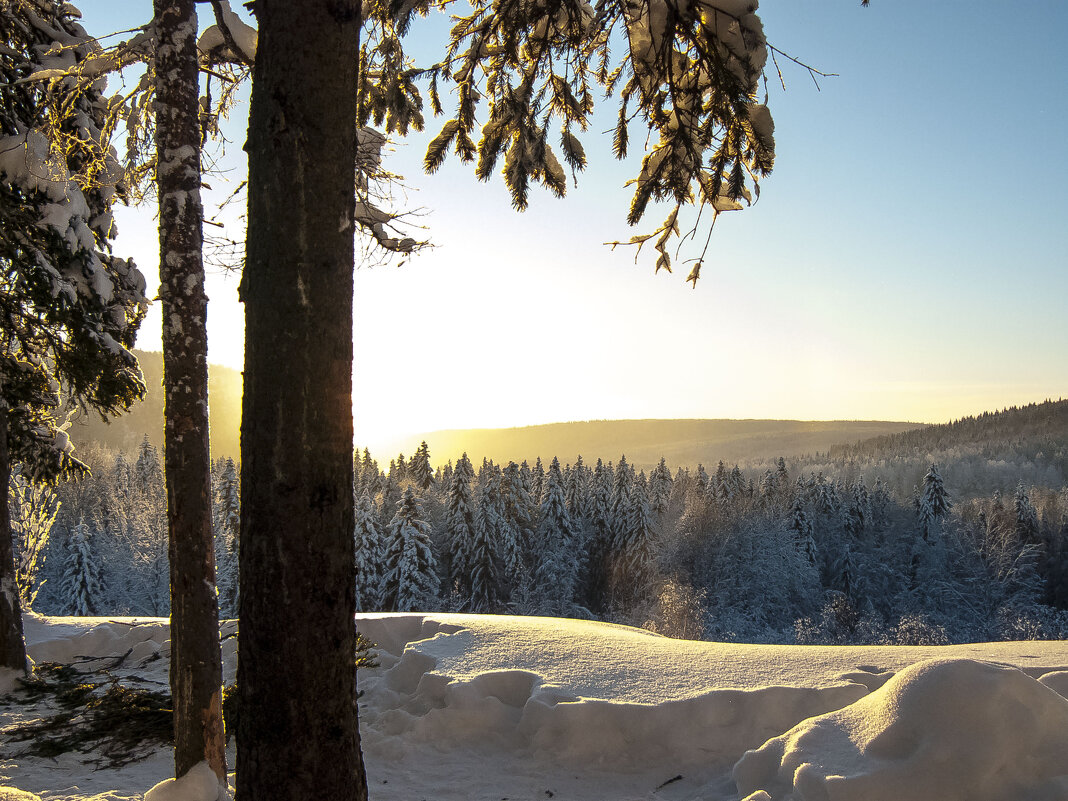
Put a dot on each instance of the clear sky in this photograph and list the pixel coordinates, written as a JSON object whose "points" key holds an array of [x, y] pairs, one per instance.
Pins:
{"points": [[906, 259]]}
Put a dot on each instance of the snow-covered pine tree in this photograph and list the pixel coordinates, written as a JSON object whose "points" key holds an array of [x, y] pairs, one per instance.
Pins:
{"points": [[71, 309], [1026, 518], [370, 556], [621, 503], [520, 511], [934, 503], [556, 558], [660, 488], [33, 506], [484, 578], [148, 474], [537, 481], [576, 492], [398, 468], [634, 560], [227, 519], [594, 578], [459, 527], [419, 470], [81, 574], [411, 580]]}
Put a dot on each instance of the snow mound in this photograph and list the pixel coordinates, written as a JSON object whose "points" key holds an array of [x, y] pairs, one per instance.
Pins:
{"points": [[446, 683], [941, 730], [199, 784]]}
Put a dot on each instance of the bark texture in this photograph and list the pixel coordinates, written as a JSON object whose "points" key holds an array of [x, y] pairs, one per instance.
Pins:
{"points": [[196, 663], [12, 645], [298, 737]]}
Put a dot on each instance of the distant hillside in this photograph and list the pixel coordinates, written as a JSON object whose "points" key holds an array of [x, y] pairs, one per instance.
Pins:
{"points": [[126, 432], [1039, 427], [992, 451], [682, 442]]}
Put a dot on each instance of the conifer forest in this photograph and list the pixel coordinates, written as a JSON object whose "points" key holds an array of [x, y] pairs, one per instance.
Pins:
{"points": [[866, 544]]}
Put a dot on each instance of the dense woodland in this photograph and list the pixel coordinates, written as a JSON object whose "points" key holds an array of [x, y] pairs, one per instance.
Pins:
{"points": [[775, 554]]}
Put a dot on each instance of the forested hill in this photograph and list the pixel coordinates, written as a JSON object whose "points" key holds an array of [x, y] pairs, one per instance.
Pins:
{"points": [[1040, 429], [146, 417], [992, 451], [683, 443]]}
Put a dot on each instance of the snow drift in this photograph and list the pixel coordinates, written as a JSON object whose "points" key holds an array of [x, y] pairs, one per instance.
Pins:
{"points": [[943, 730], [484, 707]]}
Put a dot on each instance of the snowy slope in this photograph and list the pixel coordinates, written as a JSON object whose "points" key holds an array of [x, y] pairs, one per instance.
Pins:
{"points": [[493, 707]]}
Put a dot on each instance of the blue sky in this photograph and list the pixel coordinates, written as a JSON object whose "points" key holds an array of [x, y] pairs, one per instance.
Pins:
{"points": [[906, 259]]}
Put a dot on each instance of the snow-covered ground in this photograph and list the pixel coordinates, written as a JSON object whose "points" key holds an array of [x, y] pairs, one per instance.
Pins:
{"points": [[489, 707]]}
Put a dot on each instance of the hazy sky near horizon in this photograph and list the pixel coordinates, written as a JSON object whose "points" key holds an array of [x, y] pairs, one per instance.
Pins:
{"points": [[906, 259]]}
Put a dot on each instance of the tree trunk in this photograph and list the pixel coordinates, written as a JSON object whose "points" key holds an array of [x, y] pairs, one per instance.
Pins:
{"points": [[298, 737], [196, 663], [12, 645]]}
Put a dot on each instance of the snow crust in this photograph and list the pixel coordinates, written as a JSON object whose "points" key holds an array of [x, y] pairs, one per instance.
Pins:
{"points": [[484, 707]]}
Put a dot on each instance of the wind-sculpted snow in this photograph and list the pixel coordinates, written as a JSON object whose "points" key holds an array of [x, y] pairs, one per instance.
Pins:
{"points": [[485, 707], [943, 730], [415, 696]]}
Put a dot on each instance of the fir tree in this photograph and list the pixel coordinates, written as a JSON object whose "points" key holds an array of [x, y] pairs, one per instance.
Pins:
{"points": [[81, 574], [933, 503], [419, 470], [494, 554], [635, 552], [411, 581], [660, 488], [556, 558], [459, 525], [227, 534], [370, 556]]}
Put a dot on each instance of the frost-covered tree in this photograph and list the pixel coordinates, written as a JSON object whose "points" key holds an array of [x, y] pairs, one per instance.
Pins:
{"points": [[660, 482], [634, 552], [33, 507], [459, 526], [933, 503], [69, 309], [81, 574], [411, 582], [227, 522], [556, 555], [370, 556], [519, 508], [419, 470]]}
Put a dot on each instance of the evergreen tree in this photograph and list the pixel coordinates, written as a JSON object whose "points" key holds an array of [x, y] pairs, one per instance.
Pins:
{"points": [[419, 470], [69, 309], [933, 503], [1026, 518], [620, 514], [635, 552], [81, 574], [148, 473], [537, 481], [227, 520], [370, 556], [519, 510], [459, 525], [576, 493], [411, 581], [494, 554], [556, 557], [660, 488]]}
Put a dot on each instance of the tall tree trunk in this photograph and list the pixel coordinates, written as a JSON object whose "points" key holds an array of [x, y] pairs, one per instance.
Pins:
{"points": [[298, 737], [12, 644], [196, 663]]}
